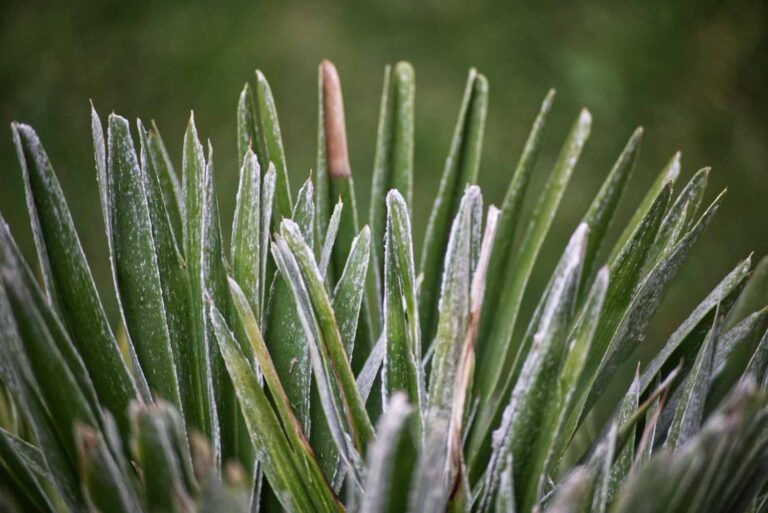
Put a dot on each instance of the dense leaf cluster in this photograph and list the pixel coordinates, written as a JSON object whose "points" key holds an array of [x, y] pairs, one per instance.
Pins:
{"points": [[317, 365]]}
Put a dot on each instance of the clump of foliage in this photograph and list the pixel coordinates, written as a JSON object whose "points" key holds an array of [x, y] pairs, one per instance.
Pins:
{"points": [[316, 365]]}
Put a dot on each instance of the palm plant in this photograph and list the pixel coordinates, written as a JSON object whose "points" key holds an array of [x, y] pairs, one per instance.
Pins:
{"points": [[313, 366]]}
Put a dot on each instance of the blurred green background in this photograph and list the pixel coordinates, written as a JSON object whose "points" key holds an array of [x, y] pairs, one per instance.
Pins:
{"points": [[692, 73]]}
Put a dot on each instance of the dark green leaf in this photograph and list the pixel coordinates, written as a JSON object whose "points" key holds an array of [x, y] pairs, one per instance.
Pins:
{"points": [[271, 148], [284, 333], [27, 469], [340, 398], [690, 409], [67, 277], [495, 358], [531, 405], [246, 232], [393, 166], [664, 181], [631, 331], [168, 181], [510, 216], [620, 469], [203, 417], [603, 208], [153, 451], [16, 375], [701, 314], [461, 169], [348, 295], [174, 280], [105, 487], [754, 297]]}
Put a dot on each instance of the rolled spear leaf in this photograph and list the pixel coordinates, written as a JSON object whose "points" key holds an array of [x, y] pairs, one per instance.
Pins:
{"points": [[334, 181]]}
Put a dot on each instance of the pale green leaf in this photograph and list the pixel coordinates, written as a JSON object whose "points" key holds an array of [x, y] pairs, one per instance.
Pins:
{"points": [[391, 459], [402, 367], [136, 263]]}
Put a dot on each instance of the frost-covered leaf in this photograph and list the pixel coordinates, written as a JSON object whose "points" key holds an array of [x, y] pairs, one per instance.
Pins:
{"points": [[167, 179], [690, 409], [330, 238], [626, 455], [269, 147], [174, 280], [290, 423], [350, 289], [246, 232], [603, 208], [454, 307], [700, 320], [734, 349], [60, 392], [134, 253], [716, 471], [203, 414], [280, 464], [69, 284], [402, 367], [284, 333], [631, 331], [28, 473], [344, 409], [679, 217], [527, 426], [624, 273], [391, 459], [17, 378], [573, 366]]}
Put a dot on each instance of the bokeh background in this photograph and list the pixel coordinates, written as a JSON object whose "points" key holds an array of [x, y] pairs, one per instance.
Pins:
{"points": [[694, 74]]}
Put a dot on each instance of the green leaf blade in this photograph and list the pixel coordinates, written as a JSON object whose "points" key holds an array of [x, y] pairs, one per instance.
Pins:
{"points": [[272, 146], [137, 274], [68, 280], [461, 169], [402, 366], [393, 165], [498, 354]]}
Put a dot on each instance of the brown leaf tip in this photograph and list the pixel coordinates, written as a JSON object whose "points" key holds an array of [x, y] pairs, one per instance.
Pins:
{"points": [[333, 122]]}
